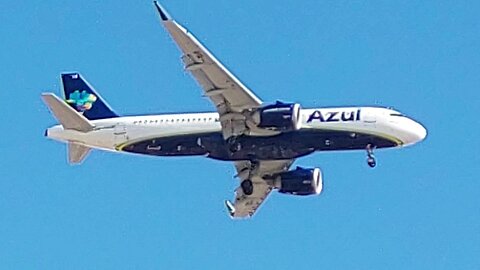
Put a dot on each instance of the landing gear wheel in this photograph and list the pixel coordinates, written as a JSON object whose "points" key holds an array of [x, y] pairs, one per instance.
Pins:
{"points": [[234, 145], [247, 187], [371, 162]]}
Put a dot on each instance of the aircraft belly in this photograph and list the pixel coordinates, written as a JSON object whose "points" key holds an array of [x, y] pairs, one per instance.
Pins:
{"points": [[283, 146]]}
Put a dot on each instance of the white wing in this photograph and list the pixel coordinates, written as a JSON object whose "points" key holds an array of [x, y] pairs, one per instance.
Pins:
{"points": [[246, 205], [226, 92], [232, 99]]}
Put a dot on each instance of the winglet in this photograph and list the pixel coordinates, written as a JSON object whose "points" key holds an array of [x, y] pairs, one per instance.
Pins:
{"points": [[230, 208], [163, 13]]}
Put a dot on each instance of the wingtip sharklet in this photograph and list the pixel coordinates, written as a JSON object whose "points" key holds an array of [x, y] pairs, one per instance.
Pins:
{"points": [[230, 208], [163, 13]]}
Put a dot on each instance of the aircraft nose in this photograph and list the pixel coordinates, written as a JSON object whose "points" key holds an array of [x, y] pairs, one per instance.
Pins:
{"points": [[418, 132]]}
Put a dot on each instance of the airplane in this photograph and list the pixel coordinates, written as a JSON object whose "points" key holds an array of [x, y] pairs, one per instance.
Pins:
{"points": [[261, 139]]}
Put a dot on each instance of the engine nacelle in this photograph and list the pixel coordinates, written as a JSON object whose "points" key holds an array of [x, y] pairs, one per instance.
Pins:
{"points": [[300, 181], [279, 117]]}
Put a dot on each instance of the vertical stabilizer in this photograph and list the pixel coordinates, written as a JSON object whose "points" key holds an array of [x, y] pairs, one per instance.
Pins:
{"points": [[84, 99]]}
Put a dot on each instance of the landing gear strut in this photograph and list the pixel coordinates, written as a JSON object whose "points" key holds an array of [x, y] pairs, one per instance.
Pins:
{"points": [[247, 187], [371, 161]]}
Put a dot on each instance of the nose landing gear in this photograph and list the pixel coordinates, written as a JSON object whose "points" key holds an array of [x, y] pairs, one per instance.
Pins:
{"points": [[371, 161]]}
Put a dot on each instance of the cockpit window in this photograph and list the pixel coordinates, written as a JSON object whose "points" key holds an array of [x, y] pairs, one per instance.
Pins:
{"points": [[397, 114]]}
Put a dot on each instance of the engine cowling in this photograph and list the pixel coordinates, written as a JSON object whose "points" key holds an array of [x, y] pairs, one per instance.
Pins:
{"points": [[300, 182], [279, 117]]}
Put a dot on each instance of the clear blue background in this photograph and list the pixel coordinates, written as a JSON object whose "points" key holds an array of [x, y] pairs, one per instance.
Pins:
{"points": [[419, 209]]}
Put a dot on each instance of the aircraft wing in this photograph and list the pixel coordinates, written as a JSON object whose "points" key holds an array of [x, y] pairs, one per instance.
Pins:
{"points": [[226, 92], [246, 205]]}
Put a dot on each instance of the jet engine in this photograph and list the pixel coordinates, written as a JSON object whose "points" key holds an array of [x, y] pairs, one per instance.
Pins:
{"points": [[300, 182], [279, 117]]}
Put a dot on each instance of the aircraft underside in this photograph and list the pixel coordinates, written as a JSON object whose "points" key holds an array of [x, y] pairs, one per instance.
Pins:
{"points": [[283, 146]]}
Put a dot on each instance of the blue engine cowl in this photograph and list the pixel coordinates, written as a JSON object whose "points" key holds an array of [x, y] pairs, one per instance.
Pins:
{"points": [[300, 182], [280, 116]]}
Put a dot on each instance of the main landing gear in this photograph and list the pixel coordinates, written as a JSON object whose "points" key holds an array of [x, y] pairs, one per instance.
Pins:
{"points": [[371, 161], [234, 145]]}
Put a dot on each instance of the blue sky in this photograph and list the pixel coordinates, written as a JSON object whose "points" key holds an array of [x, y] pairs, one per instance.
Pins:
{"points": [[419, 209]]}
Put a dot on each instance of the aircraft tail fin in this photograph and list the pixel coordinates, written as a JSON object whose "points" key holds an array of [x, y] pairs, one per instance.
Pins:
{"points": [[84, 99], [65, 114], [77, 153]]}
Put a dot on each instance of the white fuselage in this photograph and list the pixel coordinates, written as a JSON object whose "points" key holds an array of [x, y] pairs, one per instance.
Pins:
{"points": [[110, 134]]}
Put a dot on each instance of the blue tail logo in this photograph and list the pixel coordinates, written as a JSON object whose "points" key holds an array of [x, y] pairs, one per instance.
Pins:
{"points": [[82, 101], [82, 97]]}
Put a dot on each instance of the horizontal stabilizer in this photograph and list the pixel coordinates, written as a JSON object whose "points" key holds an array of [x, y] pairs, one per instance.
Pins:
{"points": [[65, 114], [77, 153]]}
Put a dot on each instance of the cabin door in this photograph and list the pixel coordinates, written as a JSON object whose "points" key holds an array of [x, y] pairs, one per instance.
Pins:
{"points": [[120, 134]]}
